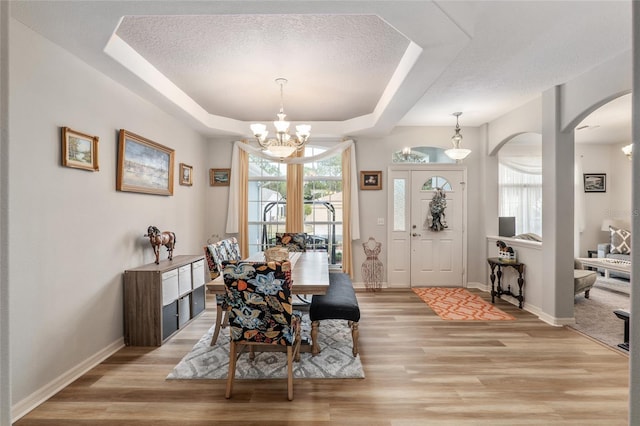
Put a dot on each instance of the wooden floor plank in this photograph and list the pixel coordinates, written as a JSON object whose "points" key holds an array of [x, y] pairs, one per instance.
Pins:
{"points": [[419, 369]]}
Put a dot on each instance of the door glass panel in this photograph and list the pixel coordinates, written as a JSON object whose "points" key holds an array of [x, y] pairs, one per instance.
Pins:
{"points": [[436, 182], [399, 204]]}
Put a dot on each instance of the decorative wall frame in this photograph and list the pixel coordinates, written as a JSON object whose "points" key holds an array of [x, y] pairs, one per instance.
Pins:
{"points": [[186, 174], [79, 150], [370, 180], [219, 177], [143, 165], [595, 182]]}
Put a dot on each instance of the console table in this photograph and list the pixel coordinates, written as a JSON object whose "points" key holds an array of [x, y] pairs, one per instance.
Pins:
{"points": [[496, 265]]}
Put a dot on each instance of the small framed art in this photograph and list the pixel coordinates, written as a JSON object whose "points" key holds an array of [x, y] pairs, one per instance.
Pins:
{"points": [[186, 174], [595, 182], [79, 150], [370, 180], [219, 177]]}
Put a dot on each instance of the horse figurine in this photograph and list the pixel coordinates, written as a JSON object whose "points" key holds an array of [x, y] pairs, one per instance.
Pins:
{"points": [[157, 239]]}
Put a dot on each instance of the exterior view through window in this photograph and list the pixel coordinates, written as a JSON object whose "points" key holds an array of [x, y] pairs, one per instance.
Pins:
{"points": [[322, 203]]}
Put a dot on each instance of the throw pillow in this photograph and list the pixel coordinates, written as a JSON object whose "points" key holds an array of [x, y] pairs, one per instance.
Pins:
{"points": [[620, 241]]}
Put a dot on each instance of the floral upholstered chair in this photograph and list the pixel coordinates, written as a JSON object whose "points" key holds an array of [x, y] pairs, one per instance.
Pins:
{"points": [[259, 294], [293, 241], [233, 248], [215, 254]]}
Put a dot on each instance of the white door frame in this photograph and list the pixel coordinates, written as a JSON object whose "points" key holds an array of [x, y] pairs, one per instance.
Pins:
{"points": [[399, 241]]}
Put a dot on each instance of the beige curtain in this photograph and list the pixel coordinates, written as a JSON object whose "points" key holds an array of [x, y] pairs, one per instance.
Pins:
{"points": [[347, 252], [243, 210], [295, 196]]}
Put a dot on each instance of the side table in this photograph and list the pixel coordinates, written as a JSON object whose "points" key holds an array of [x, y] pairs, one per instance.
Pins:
{"points": [[496, 265]]}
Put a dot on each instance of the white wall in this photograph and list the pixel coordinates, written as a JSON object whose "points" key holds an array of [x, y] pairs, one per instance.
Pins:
{"points": [[71, 234]]}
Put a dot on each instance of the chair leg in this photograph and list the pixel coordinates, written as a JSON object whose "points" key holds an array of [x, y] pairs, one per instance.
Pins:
{"points": [[232, 368], [219, 313], [290, 373], [315, 346], [355, 334]]}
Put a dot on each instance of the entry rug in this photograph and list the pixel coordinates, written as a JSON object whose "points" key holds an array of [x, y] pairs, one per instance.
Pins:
{"points": [[459, 304], [335, 361]]}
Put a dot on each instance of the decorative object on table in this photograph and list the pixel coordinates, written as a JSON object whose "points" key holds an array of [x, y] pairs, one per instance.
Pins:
{"points": [[505, 253], [144, 166], [283, 145], [372, 268], [186, 174], [79, 150], [595, 182], [435, 219], [276, 254], [219, 177], [370, 180], [157, 239], [335, 361], [459, 304]]}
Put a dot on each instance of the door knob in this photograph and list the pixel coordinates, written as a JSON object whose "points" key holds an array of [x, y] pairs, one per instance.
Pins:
{"points": [[415, 235]]}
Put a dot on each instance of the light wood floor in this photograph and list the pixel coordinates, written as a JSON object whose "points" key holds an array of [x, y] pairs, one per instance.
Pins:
{"points": [[419, 370]]}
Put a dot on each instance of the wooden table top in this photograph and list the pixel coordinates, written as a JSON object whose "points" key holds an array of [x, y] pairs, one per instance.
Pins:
{"points": [[309, 273]]}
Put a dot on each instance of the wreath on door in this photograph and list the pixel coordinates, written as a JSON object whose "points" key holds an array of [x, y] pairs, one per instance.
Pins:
{"points": [[435, 220]]}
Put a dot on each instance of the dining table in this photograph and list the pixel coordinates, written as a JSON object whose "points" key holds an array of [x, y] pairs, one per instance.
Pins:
{"points": [[309, 276]]}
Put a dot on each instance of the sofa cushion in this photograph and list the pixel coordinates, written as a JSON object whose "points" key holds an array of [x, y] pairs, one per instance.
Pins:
{"points": [[620, 241]]}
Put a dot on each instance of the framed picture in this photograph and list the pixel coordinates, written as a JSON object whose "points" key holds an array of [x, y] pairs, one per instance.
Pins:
{"points": [[186, 174], [595, 182], [144, 166], [79, 150], [219, 177], [371, 180]]}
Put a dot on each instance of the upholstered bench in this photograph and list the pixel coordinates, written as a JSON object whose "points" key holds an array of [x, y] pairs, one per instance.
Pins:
{"points": [[339, 303]]}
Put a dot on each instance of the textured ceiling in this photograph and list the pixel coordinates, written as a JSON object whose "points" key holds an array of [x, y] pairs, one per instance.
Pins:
{"points": [[354, 67]]}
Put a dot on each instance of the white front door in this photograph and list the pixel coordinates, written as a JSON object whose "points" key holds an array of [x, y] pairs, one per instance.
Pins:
{"points": [[419, 256], [437, 256]]}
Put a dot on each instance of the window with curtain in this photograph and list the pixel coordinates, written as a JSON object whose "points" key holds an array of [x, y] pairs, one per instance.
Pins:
{"points": [[322, 214], [520, 194]]}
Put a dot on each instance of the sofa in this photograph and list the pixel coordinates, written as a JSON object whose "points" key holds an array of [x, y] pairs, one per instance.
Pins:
{"points": [[619, 247]]}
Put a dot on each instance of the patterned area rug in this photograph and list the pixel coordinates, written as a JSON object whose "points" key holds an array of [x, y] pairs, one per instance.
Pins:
{"points": [[334, 361], [458, 304]]}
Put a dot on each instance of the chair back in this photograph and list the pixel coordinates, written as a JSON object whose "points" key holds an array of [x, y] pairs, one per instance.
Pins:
{"points": [[259, 294], [215, 254], [233, 248], [293, 241]]}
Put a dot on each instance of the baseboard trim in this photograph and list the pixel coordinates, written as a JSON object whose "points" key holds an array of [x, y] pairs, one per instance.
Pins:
{"points": [[21, 408]]}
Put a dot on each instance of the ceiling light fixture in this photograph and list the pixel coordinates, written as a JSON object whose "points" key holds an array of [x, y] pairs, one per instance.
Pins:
{"points": [[457, 153], [628, 150], [283, 145]]}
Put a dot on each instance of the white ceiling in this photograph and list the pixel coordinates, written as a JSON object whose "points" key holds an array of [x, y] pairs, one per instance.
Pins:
{"points": [[354, 68]]}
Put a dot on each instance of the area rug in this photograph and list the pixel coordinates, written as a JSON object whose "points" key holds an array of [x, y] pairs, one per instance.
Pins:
{"points": [[594, 316], [458, 304], [335, 360]]}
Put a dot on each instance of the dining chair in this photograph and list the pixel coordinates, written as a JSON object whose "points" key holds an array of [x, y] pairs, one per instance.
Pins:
{"points": [[259, 294], [293, 241], [215, 254]]}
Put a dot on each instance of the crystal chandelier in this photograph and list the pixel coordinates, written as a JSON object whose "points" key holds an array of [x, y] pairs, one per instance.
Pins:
{"points": [[457, 153], [283, 145]]}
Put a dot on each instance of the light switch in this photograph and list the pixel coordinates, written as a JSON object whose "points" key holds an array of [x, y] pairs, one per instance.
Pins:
{"points": [[381, 221]]}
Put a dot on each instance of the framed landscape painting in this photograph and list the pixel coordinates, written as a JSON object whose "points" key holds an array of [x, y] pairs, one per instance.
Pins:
{"points": [[79, 150], [219, 177], [595, 182], [143, 165]]}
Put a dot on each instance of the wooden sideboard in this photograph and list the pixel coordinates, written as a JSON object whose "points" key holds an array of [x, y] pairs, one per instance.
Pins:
{"points": [[161, 299]]}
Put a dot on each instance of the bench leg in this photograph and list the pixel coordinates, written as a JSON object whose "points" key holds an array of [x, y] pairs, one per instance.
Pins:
{"points": [[315, 347], [354, 336]]}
